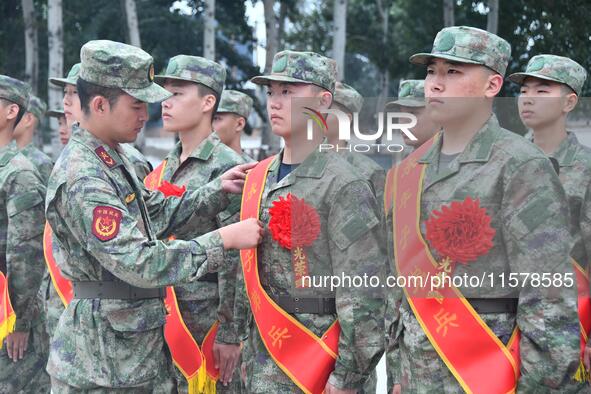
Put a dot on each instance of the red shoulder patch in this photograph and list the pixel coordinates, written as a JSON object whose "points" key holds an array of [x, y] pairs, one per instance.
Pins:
{"points": [[106, 222], [104, 156]]}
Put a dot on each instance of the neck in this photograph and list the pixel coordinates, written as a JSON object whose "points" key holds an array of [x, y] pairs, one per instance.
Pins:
{"points": [[336, 142], [24, 139], [191, 139], [5, 136], [97, 132], [235, 145], [550, 136], [457, 135], [298, 149]]}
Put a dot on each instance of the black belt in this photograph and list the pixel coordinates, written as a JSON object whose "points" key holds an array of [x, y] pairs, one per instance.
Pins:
{"points": [[114, 290], [313, 305], [493, 305], [209, 277]]}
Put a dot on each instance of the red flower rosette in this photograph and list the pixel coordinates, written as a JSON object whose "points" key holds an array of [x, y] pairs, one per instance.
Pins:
{"points": [[460, 231], [293, 222], [170, 189]]}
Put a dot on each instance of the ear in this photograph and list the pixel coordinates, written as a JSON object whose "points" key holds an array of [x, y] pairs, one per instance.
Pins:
{"points": [[493, 85], [208, 103], [99, 106], [325, 99], [570, 102], [240, 123], [12, 111]]}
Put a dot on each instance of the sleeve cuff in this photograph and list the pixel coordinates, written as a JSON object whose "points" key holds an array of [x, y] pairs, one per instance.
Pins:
{"points": [[218, 194], [22, 325], [346, 380], [228, 334], [213, 246]]}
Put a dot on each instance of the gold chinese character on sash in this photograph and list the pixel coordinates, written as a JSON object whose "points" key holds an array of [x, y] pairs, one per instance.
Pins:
{"points": [[445, 265], [436, 295], [256, 300], [404, 199], [404, 236], [445, 320], [409, 166], [278, 335], [248, 260], [251, 192]]}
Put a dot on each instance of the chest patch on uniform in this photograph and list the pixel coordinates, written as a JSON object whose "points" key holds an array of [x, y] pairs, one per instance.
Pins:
{"points": [[105, 156], [106, 222]]}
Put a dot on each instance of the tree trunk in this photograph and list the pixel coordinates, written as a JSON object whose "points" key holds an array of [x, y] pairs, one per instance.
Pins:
{"points": [[281, 25], [55, 42], [384, 11], [31, 45], [209, 30], [271, 33], [133, 26], [339, 36], [492, 20], [448, 13]]}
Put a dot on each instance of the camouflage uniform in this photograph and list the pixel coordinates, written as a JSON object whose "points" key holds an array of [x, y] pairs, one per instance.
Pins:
{"points": [[349, 223], [102, 344], [352, 101], [42, 162], [520, 191], [21, 255], [210, 299], [574, 159]]}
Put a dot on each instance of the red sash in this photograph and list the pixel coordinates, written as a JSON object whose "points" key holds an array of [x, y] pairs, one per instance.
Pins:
{"points": [[62, 286], [7, 315], [464, 342], [196, 364], [584, 306], [307, 359]]}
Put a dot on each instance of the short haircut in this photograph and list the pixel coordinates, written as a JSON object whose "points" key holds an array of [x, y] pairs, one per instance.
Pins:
{"points": [[21, 110], [206, 90], [88, 90]]}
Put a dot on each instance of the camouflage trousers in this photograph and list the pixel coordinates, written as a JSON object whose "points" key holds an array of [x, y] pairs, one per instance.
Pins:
{"points": [[52, 304], [156, 386], [27, 375], [199, 316]]}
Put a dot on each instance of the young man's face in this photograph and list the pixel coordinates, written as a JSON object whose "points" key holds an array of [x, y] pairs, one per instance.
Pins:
{"points": [[125, 119], [454, 91], [286, 116], [63, 130], [541, 102], [228, 126], [184, 110], [425, 128], [71, 101]]}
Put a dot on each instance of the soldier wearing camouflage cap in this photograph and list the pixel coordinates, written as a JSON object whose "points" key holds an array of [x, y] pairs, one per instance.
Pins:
{"points": [[199, 158], [25, 132], [550, 86], [24, 351], [231, 118], [474, 159], [348, 220], [411, 99], [70, 100], [110, 336]]}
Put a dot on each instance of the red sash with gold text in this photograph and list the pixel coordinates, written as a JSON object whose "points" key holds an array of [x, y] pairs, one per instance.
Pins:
{"points": [[196, 364], [307, 359], [464, 342]]}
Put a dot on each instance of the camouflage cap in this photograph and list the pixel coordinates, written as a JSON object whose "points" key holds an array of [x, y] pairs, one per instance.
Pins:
{"points": [[14, 90], [236, 102], [411, 93], [56, 113], [470, 45], [116, 65], [70, 79], [195, 69], [347, 97], [301, 67], [37, 107], [554, 68]]}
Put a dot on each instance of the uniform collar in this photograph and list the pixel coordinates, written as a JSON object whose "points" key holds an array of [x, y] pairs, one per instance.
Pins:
{"points": [[313, 167], [107, 155], [567, 150], [203, 151], [7, 152]]}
